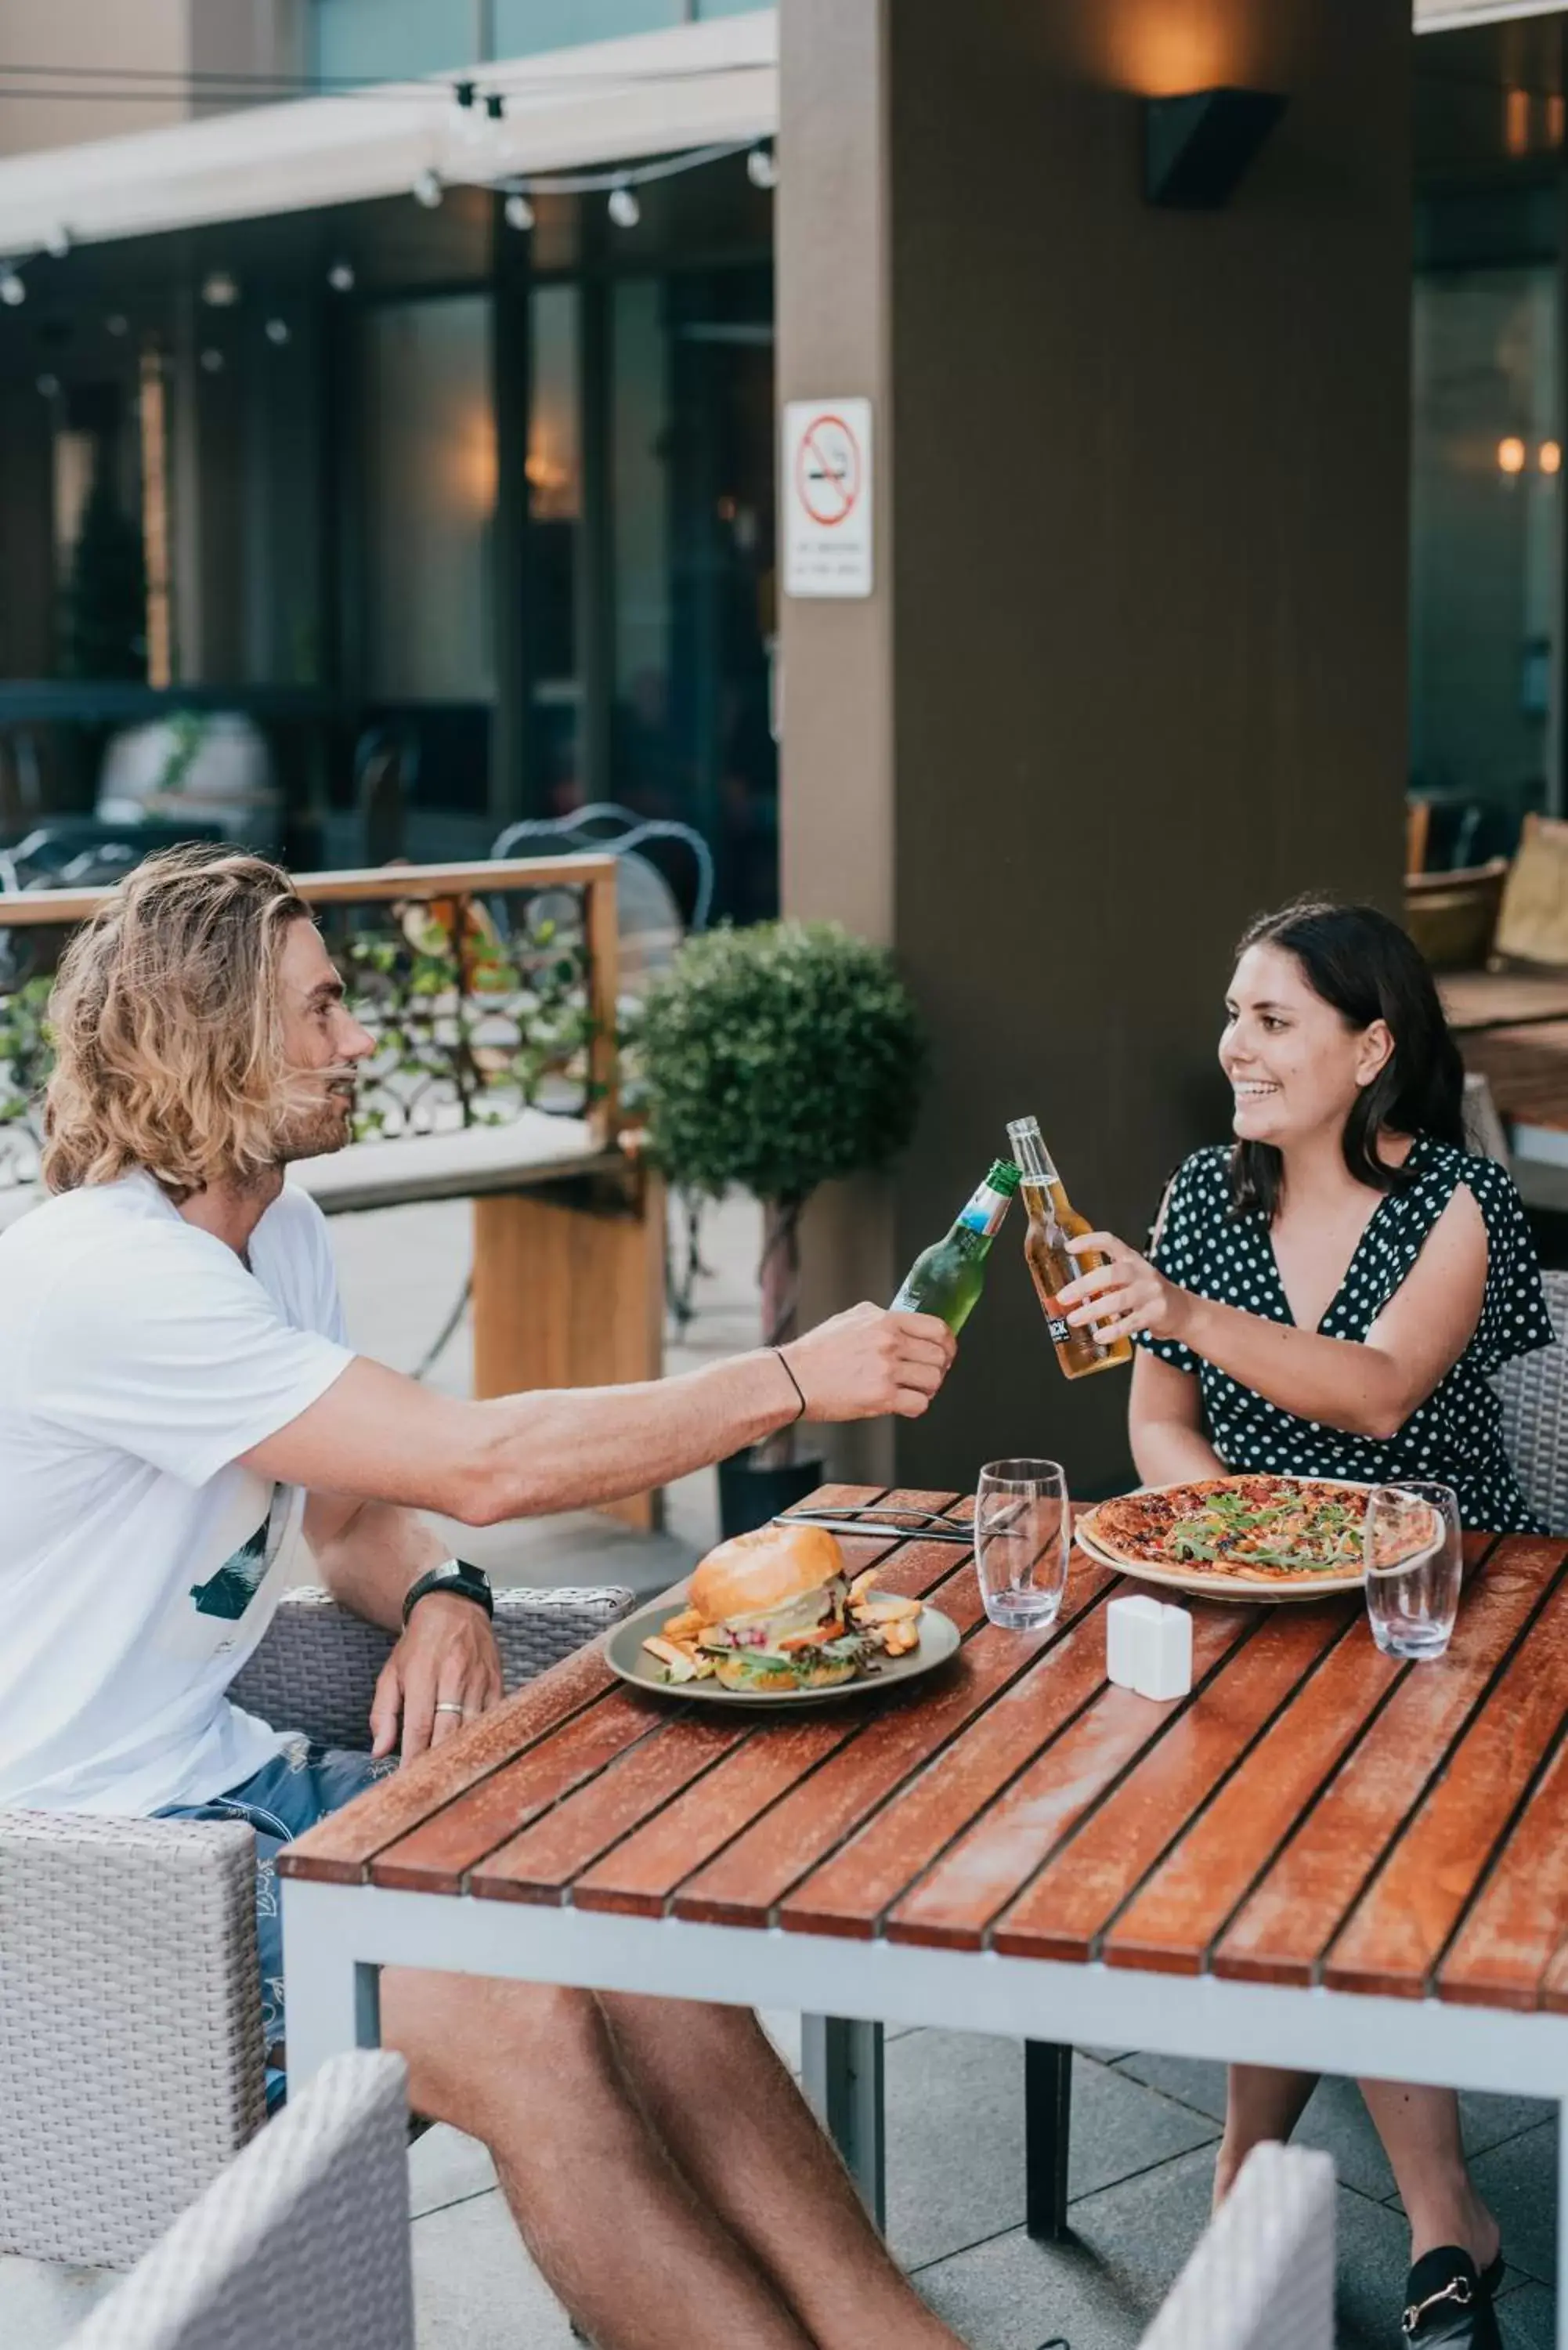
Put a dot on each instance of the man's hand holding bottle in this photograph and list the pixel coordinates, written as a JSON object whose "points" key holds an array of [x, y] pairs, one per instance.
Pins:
{"points": [[871, 1360]]}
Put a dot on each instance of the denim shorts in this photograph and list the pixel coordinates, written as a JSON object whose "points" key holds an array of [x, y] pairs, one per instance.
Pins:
{"points": [[284, 1798]]}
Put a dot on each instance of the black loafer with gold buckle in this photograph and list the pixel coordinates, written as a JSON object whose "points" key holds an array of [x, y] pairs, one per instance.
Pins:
{"points": [[1446, 2303]]}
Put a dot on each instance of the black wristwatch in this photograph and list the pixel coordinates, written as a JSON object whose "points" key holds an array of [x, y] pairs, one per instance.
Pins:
{"points": [[453, 1574]]}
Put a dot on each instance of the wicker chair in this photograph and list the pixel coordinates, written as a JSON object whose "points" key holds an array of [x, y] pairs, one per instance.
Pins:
{"points": [[1534, 1390], [129, 2026], [1262, 2275], [302, 2241]]}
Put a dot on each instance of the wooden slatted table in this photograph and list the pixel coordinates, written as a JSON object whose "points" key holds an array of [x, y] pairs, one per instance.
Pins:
{"points": [[1324, 1857]]}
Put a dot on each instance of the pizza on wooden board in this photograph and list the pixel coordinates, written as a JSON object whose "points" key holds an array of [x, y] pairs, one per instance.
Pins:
{"points": [[1267, 1529]]}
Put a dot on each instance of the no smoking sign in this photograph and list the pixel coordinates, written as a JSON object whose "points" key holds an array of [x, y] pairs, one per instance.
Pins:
{"points": [[827, 486]]}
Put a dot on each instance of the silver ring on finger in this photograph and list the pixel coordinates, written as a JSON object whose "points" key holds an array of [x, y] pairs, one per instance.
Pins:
{"points": [[446, 1705]]}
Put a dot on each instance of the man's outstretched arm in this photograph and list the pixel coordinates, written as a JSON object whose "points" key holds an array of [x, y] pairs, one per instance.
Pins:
{"points": [[377, 1436]]}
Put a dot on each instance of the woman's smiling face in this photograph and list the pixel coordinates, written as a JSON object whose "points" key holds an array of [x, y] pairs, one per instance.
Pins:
{"points": [[1296, 1064]]}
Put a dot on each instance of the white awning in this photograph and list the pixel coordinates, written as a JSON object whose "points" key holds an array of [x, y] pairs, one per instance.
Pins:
{"points": [[1453, 16], [653, 93]]}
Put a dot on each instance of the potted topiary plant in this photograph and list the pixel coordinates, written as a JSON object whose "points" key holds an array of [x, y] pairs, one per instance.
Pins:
{"points": [[778, 1057]]}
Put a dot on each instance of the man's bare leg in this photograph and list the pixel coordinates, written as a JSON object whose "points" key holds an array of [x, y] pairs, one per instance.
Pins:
{"points": [[740, 2130], [635, 2255]]}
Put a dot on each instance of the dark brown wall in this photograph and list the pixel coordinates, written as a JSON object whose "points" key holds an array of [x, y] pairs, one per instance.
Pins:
{"points": [[1135, 666]]}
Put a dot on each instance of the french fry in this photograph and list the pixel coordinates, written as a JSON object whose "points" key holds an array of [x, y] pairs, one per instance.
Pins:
{"points": [[684, 1626], [861, 1585], [899, 1639], [886, 1607]]}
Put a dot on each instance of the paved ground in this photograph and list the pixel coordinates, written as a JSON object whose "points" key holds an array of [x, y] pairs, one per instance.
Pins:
{"points": [[1143, 2127]]}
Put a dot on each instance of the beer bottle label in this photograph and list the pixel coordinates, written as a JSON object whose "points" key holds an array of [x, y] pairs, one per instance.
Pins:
{"points": [[908, 1301], [1060, 1336], [985, 1211]]}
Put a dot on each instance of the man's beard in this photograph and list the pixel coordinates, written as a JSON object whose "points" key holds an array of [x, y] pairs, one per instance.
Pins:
{"points": [[316, 1127]]}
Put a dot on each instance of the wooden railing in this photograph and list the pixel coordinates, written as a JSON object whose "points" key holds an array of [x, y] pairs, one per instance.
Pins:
{"points": [[485, 966]]}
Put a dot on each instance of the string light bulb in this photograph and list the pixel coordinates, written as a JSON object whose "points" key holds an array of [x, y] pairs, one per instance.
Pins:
{"points": [[219, 290], [117, 323], [762, 168], [211, 362], [12, 289], [1549, 457], [624, 207], [277, 332], [519, 211], [1511, 454], [340, 278], [57, 243], [428, 190]]}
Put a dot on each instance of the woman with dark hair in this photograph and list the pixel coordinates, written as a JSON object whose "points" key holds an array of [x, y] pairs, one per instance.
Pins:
{"points": [[1326, 1296]]}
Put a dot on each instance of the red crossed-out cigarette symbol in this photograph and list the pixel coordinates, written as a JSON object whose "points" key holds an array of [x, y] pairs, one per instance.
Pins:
{"points": [[828, 470]]}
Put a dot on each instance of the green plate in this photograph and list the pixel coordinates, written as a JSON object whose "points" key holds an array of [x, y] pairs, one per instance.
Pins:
{"points": [[625, 1655]]}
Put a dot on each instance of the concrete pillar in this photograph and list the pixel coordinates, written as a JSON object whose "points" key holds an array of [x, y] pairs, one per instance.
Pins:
{"points": [[1135, 665]]}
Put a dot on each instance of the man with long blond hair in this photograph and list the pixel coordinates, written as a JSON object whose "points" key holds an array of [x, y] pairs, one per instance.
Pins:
{"points": [[179, 1410]]}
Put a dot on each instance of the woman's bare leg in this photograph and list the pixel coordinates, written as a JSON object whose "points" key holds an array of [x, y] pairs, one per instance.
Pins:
{"points": [[1421, 2132], [737, 2125], [1261, 2101]]}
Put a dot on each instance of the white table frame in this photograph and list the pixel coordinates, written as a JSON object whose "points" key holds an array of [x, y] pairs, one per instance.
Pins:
{"points": [[337, 1939]]}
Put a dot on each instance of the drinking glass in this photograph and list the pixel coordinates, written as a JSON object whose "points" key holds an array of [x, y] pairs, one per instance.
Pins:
{"points": [[1411, 1545], [1022, 1536]]}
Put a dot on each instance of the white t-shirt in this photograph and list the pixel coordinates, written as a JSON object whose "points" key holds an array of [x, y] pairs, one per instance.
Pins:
{"points": [[140, 1564]]}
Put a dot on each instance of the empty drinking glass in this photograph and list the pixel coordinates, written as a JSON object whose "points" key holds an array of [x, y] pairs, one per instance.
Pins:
{"points": [[1411, 1546], [1022, 1536]]}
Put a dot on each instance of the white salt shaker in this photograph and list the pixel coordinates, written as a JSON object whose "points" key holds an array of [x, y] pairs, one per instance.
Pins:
{"points": [[1149, 1647]]}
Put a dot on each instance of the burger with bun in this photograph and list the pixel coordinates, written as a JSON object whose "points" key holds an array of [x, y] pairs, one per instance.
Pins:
{"points": [[772, 1611]]}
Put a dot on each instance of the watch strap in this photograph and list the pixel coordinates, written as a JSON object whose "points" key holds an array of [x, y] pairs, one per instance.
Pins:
{"points": [[454, 1575]]}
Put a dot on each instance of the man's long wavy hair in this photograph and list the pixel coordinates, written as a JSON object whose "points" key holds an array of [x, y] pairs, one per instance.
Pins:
{"points": [[167, 1028]]}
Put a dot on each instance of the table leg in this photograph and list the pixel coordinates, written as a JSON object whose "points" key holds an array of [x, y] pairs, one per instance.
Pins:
{"points": [[333, 2000], [841, 2072], [1047, 2123]]}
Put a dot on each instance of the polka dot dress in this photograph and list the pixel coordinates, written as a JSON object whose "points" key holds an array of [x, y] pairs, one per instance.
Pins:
{"points": [[1457, 1434]]}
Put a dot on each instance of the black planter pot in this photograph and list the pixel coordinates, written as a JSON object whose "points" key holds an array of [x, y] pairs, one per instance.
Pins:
{"points": [[749, 1496]]}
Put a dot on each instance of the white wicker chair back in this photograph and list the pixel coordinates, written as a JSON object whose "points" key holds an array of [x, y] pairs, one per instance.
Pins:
{"points": [[1262, 2275], [303, 2240]]}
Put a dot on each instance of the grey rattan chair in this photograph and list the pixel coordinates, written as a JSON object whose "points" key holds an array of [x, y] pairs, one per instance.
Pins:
{"points": [[130, 2050], [1534, 1391], [1262, 2275], [302, 2243]]}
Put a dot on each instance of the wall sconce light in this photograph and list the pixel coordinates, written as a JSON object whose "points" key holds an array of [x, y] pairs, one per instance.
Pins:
{"points": [[1197, 146]]}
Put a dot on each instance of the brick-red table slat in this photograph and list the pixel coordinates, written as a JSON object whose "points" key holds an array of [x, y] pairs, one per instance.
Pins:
{"points": [[1401, 1928], [1286, 1925], [1071, 1902]]}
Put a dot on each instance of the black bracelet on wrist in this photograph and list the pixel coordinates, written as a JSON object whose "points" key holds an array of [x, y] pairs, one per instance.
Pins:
{"points": [[794, 1383]]}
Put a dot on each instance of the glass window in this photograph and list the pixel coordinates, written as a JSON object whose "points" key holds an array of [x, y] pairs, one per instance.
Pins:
{"points": [[554, 469], [427, 499], [691, 490], [1485, 549], [524, 27], [390, 40], [731, 7], [645, 769]]}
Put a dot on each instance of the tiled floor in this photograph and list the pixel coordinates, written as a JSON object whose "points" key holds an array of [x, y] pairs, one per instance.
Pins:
{"points": [[1143, 2127]]}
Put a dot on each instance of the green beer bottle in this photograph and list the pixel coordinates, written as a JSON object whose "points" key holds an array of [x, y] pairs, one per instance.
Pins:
{"points": [[947, 1278]]}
